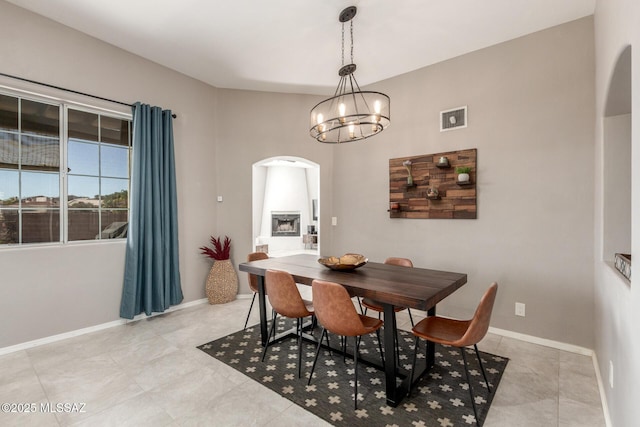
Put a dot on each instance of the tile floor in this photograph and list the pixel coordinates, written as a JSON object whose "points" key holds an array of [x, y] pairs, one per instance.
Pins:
{"points": [[149, 373]]}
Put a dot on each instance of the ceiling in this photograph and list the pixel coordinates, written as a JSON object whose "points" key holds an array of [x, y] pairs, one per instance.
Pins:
{"points": [[294, 45]]}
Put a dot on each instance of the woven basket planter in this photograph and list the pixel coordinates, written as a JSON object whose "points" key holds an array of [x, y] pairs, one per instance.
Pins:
{"points": [[222, 282]]}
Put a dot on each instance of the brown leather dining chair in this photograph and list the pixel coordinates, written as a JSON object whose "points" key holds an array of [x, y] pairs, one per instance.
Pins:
{"points": [[370, 304], [336, 313], [286, 301], [459, 333], [253, 280]]}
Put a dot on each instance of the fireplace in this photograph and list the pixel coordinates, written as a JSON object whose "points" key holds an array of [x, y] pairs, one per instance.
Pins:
{"points": [[285, 224]]}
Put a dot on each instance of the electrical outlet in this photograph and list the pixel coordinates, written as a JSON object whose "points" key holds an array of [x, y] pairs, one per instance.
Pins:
{"points": [[610, 373], [520, 309]]}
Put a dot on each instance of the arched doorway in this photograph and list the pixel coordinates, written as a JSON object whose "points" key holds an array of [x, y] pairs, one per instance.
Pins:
{"points": [[286, 206]]}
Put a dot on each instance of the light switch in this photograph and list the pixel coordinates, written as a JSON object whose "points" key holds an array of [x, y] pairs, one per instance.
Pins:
{"points": [[219, 198], [334, 220]]}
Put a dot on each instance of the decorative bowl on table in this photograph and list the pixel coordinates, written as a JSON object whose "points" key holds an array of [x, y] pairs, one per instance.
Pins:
{"points": [[345, 262]]}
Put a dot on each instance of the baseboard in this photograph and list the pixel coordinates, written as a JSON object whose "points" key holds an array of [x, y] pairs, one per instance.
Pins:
{"points": [[542, 341], [601, 388], [78, 332], [169, 310]]}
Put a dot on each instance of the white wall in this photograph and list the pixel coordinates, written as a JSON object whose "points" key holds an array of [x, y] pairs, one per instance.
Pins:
{"points": [[617, 304], [46, 291], [285, 191]]}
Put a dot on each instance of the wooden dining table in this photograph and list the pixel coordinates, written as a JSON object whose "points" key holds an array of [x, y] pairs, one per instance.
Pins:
{"points": [[390, 285]]}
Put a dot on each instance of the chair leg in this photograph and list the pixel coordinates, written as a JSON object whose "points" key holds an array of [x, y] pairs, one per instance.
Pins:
{"points": [[413, 365], [299, 324], [328, 345], [380, 346], [343, 341], [410, 317], [313, 367], [271, 331], [360, 304], [355, 372], [466, 369], [397, 343], [482, 368], [249, 313]]}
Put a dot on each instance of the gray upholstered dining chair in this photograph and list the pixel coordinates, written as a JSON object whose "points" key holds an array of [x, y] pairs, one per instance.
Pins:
{"points": [[286, 301], [336, 313], [253, 280], [459, 333]]}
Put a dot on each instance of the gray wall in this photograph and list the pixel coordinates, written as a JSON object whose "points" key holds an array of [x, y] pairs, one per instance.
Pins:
{"points": [[617, 303], [530, 105], [51, 290], [530, 116], [531, 108], [256, 126]]}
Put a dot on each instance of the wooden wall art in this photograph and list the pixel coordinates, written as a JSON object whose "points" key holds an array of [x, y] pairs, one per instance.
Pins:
{"points": [[427, 186]]}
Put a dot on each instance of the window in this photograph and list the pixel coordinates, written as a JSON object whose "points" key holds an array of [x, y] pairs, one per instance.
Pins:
{"points": [[64, 172]]}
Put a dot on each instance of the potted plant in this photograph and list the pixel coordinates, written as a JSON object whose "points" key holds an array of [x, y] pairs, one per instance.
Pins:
{"points": [[463, 173], [222, 282]]}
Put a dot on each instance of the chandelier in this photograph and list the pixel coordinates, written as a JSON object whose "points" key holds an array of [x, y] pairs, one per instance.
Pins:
{"points": [[350, 114]]}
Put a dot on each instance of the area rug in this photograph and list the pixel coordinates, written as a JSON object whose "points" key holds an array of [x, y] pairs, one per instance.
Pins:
{"points": [[441, 398]]}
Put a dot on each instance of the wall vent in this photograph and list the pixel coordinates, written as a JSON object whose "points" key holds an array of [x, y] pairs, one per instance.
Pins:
{"points": [[455, 118]]}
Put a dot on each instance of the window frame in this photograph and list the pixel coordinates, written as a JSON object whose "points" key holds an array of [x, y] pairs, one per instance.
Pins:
{"points": [[64, 104]]}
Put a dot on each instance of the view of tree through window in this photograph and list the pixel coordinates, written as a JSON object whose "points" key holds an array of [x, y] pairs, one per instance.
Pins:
{"points": [[34, 186]]}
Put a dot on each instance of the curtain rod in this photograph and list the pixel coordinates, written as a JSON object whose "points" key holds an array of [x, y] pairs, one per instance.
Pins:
{"points": [[71, 91]]}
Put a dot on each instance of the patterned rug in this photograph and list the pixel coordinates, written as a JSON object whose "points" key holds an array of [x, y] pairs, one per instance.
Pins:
{"points": [[441, 398]]}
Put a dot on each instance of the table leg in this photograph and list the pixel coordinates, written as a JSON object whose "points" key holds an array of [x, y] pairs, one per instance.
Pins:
{"points": [[431, 347], [264, 333], [390, 356]]}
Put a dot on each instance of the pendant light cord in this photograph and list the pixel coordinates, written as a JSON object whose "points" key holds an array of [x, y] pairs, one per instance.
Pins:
{"points": [[343, 44], [351, 30], [351, 36]]}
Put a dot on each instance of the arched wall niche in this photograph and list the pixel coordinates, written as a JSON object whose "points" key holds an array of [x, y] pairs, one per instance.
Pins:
{"points": [[617, 165]]}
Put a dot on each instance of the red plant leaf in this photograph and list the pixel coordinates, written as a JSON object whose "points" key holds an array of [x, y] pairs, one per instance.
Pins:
{"points": [[221, 250]]}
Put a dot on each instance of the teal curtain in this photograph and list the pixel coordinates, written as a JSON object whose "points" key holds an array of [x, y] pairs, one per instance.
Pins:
{"points": [[152, 274]]}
